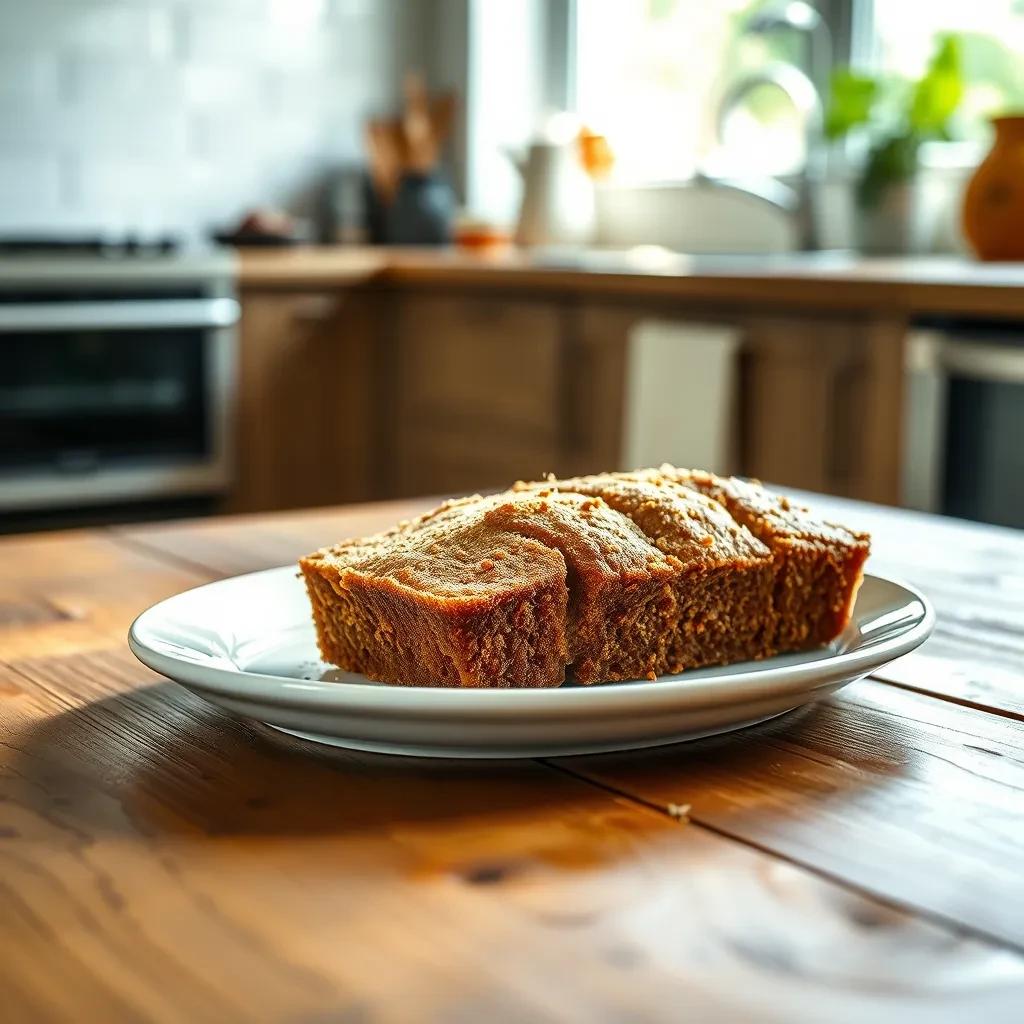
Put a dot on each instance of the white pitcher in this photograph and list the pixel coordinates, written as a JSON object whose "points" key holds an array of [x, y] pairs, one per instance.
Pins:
{"points": [[558, 196]]}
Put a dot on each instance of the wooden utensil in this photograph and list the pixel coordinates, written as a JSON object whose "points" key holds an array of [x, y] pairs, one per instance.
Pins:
{"points": [[384, 151], [411, 142], [421, 144]]}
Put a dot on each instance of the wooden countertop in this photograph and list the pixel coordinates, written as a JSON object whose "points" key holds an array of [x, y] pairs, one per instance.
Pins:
{"points": [[159, 860], [915, 285]]}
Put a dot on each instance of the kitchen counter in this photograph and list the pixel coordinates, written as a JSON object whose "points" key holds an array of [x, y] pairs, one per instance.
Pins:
{"points": [[858, 859], [818, 281]]}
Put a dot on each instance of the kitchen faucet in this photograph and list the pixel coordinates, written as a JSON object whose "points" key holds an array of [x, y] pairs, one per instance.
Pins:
{"points": [[805, 92]]}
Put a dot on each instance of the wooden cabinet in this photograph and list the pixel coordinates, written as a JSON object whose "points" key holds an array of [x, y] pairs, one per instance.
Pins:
{"points": [[472, 360], [386, 392], [822, 404], [303, 417], [490, 389], [596, 385], [818, 404], [478, 390]]}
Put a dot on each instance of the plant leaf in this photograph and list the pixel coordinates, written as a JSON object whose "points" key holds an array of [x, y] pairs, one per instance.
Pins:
{"points": [[891, 160], [852, 99], [939, 91], [657, 9]]}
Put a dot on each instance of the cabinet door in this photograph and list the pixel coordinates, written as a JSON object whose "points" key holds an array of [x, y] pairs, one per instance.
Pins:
{"points": [[595, 386], [822, 404], [681, 417], [819, 403], [303, 430], [477, 391]]}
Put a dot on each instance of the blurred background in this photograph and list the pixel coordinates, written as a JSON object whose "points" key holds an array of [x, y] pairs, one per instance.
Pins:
{"points": [[267, 254]]}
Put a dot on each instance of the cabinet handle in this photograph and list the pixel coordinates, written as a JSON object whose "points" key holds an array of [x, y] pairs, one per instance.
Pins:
{"points": [[316, 309]]}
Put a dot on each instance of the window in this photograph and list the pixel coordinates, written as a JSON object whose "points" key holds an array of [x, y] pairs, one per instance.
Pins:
{"points": [[992, 33], [650, 74]]}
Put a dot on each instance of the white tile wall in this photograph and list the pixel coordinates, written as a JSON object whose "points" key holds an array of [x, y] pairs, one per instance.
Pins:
{"points": [[30, 181], [94, 81], [99, 26], [180, 114], [28, 77]]}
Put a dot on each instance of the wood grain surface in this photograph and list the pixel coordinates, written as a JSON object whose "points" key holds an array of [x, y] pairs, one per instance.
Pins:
{"points": [[798, 281], [868, 787], [160, 860]]}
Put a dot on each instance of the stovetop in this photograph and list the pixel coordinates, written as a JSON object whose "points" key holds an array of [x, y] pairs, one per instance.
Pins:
{"points": [[74, 259], [89, 245]]}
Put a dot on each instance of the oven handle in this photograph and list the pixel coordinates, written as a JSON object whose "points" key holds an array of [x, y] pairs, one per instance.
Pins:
{"points": [[977, 361], [124, 315]]}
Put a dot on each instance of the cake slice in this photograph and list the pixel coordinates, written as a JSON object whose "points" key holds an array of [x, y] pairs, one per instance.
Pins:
{"points": [[446, 600], [500, 591], [721, 585], [818, 565], [612, 576], [620, 597]]}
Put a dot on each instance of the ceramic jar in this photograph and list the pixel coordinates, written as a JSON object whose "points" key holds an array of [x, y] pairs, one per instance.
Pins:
{"points": [[993, 211]]}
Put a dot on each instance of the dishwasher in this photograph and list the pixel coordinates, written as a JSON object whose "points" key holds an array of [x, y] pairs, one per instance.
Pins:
{"points": [[964, 420]]}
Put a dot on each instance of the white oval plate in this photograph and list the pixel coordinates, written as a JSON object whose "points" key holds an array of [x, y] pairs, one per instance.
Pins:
{"points": [[248, 645]]}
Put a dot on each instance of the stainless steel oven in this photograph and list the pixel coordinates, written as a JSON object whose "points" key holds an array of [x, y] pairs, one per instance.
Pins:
{"points": [[116, 380], [965, 421]]}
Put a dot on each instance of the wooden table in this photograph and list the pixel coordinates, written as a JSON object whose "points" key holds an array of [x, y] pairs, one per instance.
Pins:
{"points": [[859, 860]]}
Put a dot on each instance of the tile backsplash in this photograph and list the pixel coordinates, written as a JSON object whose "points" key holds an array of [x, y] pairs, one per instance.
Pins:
{"points": [[180, 114]]}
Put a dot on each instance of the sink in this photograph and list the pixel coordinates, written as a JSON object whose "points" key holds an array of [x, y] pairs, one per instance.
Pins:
{"points": [[692, 217], [656, 259]]}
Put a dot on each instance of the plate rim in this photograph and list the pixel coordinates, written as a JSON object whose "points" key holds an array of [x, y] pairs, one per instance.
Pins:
{"points": [[390, 700]]}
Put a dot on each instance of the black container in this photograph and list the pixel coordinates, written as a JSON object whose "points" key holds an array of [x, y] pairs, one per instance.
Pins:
{"points": [[423, 211]]}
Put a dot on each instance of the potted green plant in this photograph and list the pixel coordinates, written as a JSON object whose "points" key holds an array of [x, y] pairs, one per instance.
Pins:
{"points": [[898, 116]]}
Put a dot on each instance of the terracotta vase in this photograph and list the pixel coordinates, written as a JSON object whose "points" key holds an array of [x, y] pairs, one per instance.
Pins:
{"points": [[993, 213]]}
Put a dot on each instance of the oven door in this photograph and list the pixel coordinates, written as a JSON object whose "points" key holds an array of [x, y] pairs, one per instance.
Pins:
{"points": [[104, 401]]}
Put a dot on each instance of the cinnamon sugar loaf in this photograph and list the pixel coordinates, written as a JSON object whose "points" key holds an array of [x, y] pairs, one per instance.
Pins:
{"points": [[614, 576]]}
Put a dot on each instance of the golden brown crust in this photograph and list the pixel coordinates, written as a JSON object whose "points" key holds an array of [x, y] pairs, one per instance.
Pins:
{"points": [[614, 576], [818, 565]]}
